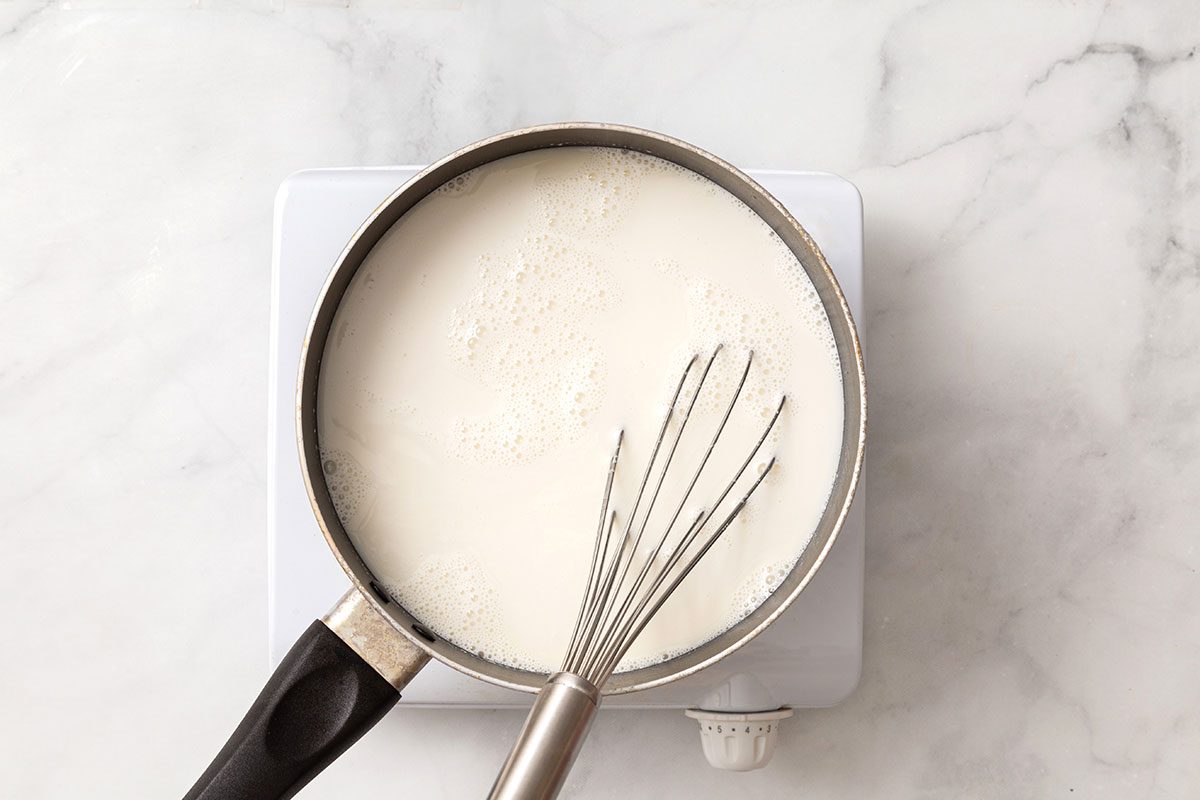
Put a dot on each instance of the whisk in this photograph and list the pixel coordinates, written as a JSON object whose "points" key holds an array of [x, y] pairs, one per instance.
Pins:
{"points": [[620, 598]]}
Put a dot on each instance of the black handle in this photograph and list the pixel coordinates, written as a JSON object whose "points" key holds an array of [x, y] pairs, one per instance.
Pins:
{"points": [[320, 700]]}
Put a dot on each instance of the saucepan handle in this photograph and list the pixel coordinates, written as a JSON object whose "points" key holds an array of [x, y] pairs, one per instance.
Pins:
{"points": [[342, 675]]}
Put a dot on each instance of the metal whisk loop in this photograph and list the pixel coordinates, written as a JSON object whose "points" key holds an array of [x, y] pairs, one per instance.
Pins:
{"points": [[611, 614], [604, 626], [627, 638], [592, 600], [600, 656]]}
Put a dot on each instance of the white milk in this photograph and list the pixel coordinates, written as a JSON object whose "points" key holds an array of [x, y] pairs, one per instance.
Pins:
{"points": [[494, 343]]}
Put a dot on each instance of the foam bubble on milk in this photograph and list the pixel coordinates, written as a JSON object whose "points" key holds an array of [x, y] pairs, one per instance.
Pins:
{"points": [[524, 329], [589, 200], [460, 184], [351, 485], [755, 590], [451, 594]]}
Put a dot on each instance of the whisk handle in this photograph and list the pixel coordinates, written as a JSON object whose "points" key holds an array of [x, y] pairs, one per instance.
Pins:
{"points": [[553, 735]]}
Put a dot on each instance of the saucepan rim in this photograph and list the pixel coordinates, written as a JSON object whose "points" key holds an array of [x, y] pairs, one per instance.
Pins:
{"points": [[692, 158]]}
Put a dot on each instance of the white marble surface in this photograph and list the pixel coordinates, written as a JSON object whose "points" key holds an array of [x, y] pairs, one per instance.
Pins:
{"points": [[1031, 174]]}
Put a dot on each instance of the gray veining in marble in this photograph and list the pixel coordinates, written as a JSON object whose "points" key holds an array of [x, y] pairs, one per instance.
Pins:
{"points": [[1031, 176]]}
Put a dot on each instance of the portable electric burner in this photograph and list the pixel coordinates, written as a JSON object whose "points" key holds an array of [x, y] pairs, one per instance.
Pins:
{"points": [[811, 657]]}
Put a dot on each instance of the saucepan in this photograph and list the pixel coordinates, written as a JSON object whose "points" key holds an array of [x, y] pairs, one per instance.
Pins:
{"points": [[348, 668]]}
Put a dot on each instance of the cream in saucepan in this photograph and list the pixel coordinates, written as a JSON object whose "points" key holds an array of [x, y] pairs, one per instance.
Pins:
{"points": [[497, 338]]}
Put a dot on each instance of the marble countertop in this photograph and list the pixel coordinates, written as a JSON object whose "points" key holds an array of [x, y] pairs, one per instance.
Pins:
{"points": [[1031, 177]]}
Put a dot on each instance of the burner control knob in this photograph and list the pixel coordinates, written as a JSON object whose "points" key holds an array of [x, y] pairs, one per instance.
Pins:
{"points": [[739, 742]]}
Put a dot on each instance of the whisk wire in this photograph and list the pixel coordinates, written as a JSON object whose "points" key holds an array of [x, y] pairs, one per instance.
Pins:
{"points": [[609, 630], [609, 662], [604, 626], [628, 639], [596, 559], [612, 616], [603, 588], [592, 617], [589, 597]]}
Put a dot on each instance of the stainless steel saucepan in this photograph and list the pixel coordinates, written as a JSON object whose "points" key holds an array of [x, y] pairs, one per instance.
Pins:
{"points": [[349, 668]]}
